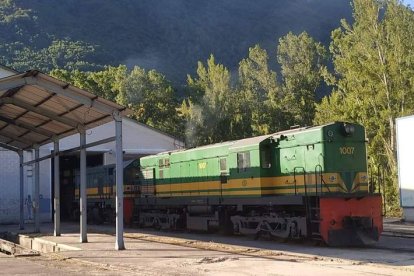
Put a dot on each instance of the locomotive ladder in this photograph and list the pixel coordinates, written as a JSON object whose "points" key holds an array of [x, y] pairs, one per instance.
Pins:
{"points": [[314, 206], [311, 202]]}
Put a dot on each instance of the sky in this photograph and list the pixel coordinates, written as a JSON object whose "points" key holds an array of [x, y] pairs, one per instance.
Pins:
{"points": [[409, 2]]}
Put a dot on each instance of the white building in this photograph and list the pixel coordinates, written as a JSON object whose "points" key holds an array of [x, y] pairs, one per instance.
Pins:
{"points": [[405, 150]]}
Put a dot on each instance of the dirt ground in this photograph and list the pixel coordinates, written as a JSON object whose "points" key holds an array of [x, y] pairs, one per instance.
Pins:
{"points": [[176, 253]]}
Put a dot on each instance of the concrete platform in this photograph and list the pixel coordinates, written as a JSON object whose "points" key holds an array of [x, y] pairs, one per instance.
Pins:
{"points": [[175, 253]]}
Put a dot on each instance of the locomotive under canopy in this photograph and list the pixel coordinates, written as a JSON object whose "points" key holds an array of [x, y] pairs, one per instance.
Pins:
{"points": [[101, 189], [302, 183]]}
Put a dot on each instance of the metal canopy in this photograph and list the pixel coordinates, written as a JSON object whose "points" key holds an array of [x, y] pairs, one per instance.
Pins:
{"points": [[36, 109]]}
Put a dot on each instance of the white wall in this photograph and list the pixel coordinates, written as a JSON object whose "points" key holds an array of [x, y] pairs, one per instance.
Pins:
{"points": [[405, 152], [408, 214], [10, 188]]}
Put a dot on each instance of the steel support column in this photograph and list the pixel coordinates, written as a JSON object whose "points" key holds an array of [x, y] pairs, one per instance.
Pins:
{"points": [[119, 244], [56, 201], [21, 226], [82, 189], [36, 196]]}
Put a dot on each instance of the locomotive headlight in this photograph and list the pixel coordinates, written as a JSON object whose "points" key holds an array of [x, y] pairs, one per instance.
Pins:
{"points": [[349, 129]]}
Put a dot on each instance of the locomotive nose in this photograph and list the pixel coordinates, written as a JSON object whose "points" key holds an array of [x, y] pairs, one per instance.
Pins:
{"points": [[348, 178]]}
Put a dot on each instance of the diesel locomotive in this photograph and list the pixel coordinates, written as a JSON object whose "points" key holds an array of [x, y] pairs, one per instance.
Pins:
{"points": [[301, 183]]}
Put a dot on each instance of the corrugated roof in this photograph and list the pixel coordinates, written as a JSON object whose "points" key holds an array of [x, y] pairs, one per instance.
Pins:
{"points": [[35, 108]]}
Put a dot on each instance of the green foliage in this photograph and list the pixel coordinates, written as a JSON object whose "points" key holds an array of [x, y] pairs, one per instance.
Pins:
{"points": [[261, 108], [152, 99], [212, 104], [302, 61], [373, 81], [105, 83], [216, 111], [10, 13], [60, 54], [23, 44]]}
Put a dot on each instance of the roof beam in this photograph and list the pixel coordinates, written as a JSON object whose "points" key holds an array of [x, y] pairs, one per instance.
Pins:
{"points": [[27, 127], [13, 82], [40, 111], [16, 138], [8, 147], [85, 100], [75, 149], [11, 92]]}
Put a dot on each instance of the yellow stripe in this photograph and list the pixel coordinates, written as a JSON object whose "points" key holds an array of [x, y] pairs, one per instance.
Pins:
{"points": [[360, 178], [107, 190], [254, 182], [248, 192], [263, 185]]}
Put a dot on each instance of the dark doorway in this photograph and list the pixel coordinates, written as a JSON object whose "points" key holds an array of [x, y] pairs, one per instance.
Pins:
{"points": [[69, 170]]}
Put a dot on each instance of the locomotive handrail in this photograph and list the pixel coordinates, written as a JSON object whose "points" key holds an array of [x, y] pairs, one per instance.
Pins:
{"points": [[323, 183], [304, 179], [318, 173]]}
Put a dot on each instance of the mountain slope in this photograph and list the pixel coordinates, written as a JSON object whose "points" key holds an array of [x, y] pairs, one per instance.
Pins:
{"points": [[171, 36]]}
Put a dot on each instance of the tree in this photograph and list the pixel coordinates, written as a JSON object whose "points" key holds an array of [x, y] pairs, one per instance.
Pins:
{"points": [[60, 54], [259, 93], [210, 109], [148, 94], [302, 61], [152, 99], [104, 83], [373, 81]]}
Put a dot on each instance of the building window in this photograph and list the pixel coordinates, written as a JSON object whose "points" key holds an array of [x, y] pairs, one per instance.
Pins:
{"points": [[243, 161]]}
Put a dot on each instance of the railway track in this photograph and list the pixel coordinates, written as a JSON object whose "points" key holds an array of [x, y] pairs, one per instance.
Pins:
{"points": [[398, 234]]}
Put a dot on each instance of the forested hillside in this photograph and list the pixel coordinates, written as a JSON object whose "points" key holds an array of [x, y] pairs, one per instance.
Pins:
{"points": [[169, 36]]}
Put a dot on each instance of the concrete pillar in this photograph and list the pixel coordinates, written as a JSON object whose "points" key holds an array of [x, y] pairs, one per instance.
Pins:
{"points": [[56, 201], [82, 189], [119, 244], [36, 195], [21, 226]]}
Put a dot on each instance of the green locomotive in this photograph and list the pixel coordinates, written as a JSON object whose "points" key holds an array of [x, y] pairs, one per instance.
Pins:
{"points": [[101, 189], [302, 183]]}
